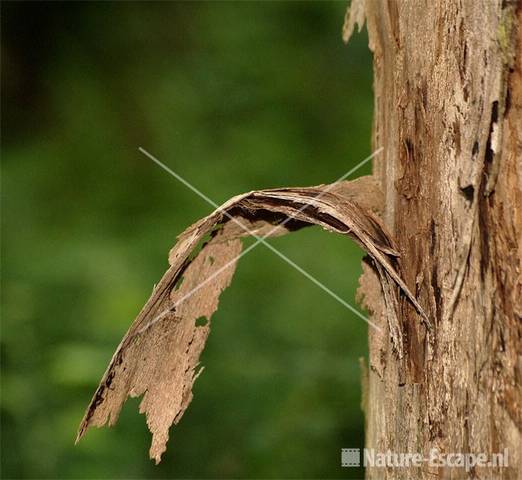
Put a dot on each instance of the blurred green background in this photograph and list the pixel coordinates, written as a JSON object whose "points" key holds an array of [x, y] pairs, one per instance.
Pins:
{"points": [[233, 97]]}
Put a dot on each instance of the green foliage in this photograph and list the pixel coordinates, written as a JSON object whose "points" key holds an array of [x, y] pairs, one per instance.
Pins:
{"points": [[233, 97]]}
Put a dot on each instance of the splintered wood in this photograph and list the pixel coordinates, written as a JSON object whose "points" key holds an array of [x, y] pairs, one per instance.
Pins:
{"points": [[159, 355]]}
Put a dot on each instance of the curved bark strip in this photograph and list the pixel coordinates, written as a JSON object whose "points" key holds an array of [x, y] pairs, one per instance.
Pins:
{"points": [[159, 356]]}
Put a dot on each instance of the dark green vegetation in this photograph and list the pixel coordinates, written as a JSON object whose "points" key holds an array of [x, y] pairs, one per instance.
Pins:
{"points": [[233, 97]]}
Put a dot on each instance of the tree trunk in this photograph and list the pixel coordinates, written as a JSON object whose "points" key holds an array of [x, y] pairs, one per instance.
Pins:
{"points": [[448, 112]]}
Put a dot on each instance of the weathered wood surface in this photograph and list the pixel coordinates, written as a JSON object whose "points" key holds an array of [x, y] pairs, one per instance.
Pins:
{"points": [[159, 355], [448, 112]]}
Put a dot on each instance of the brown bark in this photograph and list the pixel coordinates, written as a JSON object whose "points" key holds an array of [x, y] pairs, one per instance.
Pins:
{"points": [[448, 112], [159, 355]]}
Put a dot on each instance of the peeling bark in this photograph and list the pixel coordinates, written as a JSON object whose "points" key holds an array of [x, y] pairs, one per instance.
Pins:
{"points": [[448, 112], [159, 356]]}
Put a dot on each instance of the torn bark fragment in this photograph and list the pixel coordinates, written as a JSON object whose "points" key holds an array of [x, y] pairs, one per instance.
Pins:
{"points": [[355, 15], [159, 355]]}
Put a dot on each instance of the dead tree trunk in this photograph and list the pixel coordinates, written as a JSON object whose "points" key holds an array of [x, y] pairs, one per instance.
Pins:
{"points": [[448, 112]]}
